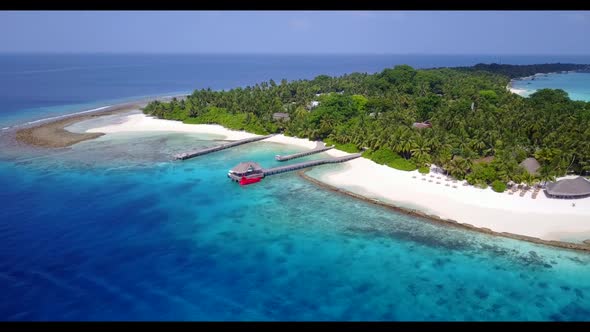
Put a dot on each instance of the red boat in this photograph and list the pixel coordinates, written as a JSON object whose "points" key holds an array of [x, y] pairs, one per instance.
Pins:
{"points": [[246, 181]]}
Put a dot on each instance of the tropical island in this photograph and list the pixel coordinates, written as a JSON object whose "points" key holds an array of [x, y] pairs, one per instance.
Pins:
{"points": [[463, 120], [454, 145]]}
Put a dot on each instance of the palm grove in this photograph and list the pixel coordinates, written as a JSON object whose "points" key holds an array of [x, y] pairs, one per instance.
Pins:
{"points": [[473, 116]]}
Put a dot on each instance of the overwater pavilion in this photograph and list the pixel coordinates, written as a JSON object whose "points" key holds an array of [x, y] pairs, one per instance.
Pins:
{"points": [[248, 169]]}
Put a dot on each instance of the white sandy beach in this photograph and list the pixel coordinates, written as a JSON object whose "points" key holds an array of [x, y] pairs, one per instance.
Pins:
{"points": [[520, 92], [143, 123], [545, 218]]}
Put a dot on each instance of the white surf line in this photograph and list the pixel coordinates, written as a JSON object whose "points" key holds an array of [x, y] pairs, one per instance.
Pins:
{"points": [[57, 117], [92, 110], [66, 115]]}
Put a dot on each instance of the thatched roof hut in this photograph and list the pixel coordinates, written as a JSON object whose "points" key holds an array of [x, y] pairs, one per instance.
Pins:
{"points": [[281, 116], [246, 167], [569, 188], [531, 165], [420, 125]]}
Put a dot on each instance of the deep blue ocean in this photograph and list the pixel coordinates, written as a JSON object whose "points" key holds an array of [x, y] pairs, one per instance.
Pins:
{"points": [[112, 229]]}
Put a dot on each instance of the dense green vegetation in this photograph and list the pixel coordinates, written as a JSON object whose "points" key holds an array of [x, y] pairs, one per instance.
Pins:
{"points": [[387, 157], [240, 121], [471, 112], [424, 170], [514, 71], [348, 147], [498, 186]]}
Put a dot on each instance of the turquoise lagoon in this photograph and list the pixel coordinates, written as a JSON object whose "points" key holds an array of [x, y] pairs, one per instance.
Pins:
{"points": [[111, 229], [576, 84]]}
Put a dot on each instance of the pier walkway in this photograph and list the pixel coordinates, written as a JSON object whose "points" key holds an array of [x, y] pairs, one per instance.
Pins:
{"points": [[200, 152], [305, 164], [320, 147]]}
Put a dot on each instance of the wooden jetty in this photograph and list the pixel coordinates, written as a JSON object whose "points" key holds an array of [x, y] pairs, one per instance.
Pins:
{"points": [[251, 172], [320, 147], [305, 164], [200, 152]]}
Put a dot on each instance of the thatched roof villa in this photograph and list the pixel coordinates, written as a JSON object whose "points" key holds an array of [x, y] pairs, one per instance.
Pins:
{"points": [[569, 188], [281, 116], [531, 165], [420, 125]]}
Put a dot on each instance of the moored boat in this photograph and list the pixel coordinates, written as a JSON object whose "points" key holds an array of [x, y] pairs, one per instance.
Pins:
{"points": [[246, 181]]}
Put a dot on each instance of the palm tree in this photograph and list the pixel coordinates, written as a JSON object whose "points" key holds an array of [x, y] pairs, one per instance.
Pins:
{"points": [[477, 144], [420, 149], [407, 143], [444, 158], [458, 167]]}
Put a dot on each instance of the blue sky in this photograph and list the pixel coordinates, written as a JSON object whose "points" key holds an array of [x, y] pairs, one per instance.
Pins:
{"points": [[380, 32]]}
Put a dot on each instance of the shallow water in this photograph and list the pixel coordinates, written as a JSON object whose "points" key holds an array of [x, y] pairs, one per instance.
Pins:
{"points": [[577, 85], [111, 229]]}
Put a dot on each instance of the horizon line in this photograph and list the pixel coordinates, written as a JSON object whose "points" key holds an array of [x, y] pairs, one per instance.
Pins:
{"points": [[283, 53]]}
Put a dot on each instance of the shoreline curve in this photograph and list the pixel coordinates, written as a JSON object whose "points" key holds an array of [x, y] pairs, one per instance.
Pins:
{"points": [[51, 132], [446, 222]]}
